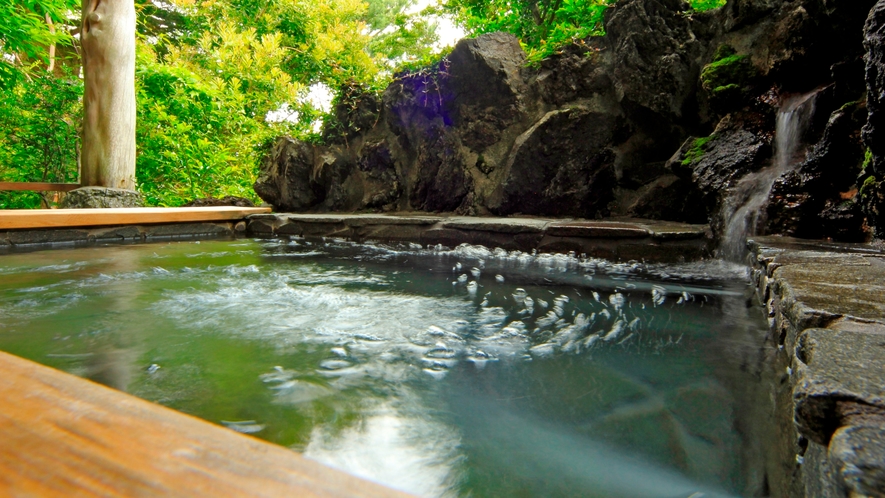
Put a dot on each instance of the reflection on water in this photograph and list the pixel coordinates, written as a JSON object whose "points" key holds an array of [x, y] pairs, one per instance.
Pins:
{"points": [[444, 372]]}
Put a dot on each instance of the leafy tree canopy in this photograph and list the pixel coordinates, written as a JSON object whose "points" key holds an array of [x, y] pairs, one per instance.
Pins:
{"points": [[27, 30], [541, 25]]}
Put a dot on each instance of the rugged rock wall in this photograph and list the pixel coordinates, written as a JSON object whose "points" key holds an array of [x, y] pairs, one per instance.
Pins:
{"points": [[872, 190], [660, 118], [586, 134]]}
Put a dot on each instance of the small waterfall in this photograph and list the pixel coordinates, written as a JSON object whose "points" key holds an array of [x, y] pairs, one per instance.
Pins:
{"points": [[743, 207]]}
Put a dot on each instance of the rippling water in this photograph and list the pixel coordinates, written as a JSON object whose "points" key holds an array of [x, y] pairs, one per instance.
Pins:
{"points": [[443, 372]]}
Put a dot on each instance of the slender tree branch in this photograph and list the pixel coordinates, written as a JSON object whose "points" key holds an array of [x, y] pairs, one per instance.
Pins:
{"points": [[51, 45]]}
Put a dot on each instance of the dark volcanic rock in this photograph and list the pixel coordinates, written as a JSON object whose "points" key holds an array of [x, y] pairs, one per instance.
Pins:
{"points": [[817, 200], [286, 176], [589, 132], [415, 100], [228, 200], [715, 163], [487, 86], [872, 192], [576, 72], [561, 165], [670, 198], [739, 13], [383, 186], [356, 111], [656, 56], [442, 183]]}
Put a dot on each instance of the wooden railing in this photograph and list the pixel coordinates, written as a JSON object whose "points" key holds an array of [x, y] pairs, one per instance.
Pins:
{"points": [[39, 186]]}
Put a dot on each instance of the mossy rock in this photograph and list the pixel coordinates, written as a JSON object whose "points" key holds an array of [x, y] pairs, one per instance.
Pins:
{"points": [[697, 150], [728, 78], [723, 51], [732, 71]]}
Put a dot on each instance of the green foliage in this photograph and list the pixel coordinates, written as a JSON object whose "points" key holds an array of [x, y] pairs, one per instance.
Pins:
{"points": [[541, 25], [201, 113], [727, 78], [206, 85], [406, 38], [25, 36], [701, 5], [39, 120], [869, 186], [733, 70], [697, 150]]}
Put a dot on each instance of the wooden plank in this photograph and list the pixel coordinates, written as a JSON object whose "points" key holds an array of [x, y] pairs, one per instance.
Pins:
{"points": [[65, 436], [39, 186], [11, 219]]}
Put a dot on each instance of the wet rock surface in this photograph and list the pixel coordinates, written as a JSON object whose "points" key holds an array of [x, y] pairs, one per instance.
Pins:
{"points": [[560, 166], [818, 199], [827, 309], [715, 163], [101, 197], [872, 195], [589, 131], [28, 240], [626, 239], [569, 135], [228, 200]]}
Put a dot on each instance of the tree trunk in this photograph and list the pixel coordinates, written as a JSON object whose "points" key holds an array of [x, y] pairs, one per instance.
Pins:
{"points": [[108, 41]]}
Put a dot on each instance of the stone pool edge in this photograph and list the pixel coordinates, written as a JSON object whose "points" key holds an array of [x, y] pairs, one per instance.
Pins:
{"points": [[613, 239], [826, 309]]}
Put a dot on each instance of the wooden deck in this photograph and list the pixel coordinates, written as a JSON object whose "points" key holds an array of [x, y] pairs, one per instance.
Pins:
{"points": [[65, 436], [13, 219]]}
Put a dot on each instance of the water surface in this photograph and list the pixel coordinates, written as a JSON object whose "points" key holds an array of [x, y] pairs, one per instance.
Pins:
{"points": [[443, 372]]}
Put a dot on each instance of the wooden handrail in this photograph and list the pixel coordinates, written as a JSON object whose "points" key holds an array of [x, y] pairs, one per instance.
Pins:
{"points": [[15, 219], [39, 186]]}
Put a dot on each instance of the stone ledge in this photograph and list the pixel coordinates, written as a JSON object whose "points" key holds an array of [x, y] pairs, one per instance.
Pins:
{"points": [[11, 240], [620, 239], [826, 304]]}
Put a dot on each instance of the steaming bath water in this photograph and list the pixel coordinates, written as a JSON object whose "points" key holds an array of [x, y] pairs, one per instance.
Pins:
{"points": [[465, 372]]}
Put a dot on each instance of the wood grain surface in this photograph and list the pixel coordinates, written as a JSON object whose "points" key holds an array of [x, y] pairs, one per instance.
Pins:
{"points": [[61, 435], [12, 219], [39, 186]]}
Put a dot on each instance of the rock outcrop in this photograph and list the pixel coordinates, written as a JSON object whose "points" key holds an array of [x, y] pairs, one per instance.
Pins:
{"points": [[659, 118], [872, 184], [482, 133]]}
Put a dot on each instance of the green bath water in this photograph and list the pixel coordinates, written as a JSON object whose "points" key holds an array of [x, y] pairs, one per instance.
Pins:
{"points": [[443, 372]]}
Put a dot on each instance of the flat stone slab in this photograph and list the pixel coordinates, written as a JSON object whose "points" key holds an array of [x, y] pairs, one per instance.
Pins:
{"points": [[355, 219], [11, 240], [849, 282], [621, 239], [827, 308], [597, 229], [499, 225], [838, 374]]}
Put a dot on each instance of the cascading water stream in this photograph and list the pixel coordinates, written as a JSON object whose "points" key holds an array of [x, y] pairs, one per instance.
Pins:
{"points": [[743, 208]]}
